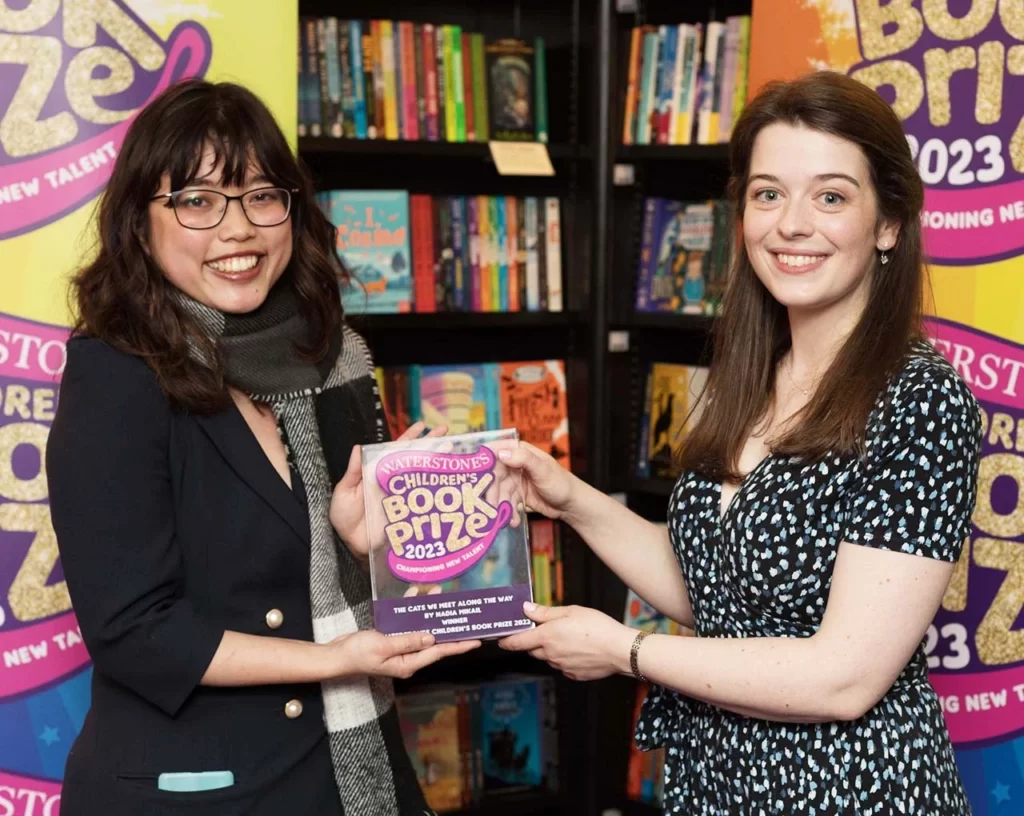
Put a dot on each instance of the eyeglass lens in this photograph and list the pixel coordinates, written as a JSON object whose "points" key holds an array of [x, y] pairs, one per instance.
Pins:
{"points": [[203, 209]]}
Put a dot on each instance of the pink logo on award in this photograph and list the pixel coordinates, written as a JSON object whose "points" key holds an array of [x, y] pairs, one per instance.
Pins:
{"points": [[440, 517], [78, 73], [954, 82], [40, 643]]}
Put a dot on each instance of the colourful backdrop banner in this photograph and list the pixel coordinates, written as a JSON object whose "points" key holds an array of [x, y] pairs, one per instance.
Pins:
{"points": [[72, 77], [953, 70]]}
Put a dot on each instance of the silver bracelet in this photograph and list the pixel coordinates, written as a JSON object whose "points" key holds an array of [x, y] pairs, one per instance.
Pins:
{"points": [[634, 650]]}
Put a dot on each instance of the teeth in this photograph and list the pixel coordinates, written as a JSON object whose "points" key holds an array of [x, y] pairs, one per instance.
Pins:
{"points": [[237, 264], [799, 260]]}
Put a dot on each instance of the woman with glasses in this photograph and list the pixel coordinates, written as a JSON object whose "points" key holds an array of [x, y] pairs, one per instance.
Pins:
{"points": [[205, 491]]}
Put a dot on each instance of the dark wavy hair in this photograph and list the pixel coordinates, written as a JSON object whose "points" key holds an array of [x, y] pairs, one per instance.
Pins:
{"points": [[753, 332], [123, 298]]}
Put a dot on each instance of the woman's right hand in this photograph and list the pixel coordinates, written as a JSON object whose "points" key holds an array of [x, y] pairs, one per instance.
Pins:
{"points": [[548, 488], [368, 652]]}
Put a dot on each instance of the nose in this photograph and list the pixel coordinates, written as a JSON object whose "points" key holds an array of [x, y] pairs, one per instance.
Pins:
{"points": [[236, 226], [795, 218]]}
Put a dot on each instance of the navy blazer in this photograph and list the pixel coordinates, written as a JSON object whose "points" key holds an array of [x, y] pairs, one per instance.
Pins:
{"points": [[173, 528]]}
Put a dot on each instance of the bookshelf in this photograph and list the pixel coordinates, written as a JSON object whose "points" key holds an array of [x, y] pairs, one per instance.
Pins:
{"points": [[587, 60]]}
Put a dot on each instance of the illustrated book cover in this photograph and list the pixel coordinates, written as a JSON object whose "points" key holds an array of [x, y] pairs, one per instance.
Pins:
{"points": [[448, 538]]}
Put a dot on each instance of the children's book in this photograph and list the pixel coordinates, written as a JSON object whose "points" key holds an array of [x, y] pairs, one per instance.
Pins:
{"points": [[511, 735], [429, 723], [373, 240], [448, 538], [533, 400]]}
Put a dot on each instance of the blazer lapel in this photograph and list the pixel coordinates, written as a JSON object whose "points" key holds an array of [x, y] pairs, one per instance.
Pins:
{"points": [[235, 440]]}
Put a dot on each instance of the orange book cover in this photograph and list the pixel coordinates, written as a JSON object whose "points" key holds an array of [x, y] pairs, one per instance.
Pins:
{"points": [[532, 396]]}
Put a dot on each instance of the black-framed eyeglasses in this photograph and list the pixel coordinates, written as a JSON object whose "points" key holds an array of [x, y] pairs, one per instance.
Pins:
{"points": [[205, 209]]}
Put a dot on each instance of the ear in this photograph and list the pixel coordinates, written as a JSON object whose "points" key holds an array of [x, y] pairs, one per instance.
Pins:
{"points": [[886, 235]]}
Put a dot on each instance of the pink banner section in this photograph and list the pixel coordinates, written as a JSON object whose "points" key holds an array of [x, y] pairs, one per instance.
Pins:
{"points": [[991, 366], [40, 654], [961, 226], [444, 568], [31, 351], [58, 182], [26, 796], [981, 706]]}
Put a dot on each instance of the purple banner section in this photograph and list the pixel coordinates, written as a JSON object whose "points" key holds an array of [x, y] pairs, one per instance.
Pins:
{"points": [[464, 615]]}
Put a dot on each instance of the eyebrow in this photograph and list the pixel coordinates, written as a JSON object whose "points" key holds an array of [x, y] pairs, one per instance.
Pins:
{"points": [[820, 177]]}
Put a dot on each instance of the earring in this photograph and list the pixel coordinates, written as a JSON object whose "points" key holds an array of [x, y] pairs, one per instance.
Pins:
{"points": [[883, 258]]}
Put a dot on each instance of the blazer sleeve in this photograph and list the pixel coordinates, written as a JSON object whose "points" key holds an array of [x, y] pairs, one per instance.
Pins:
{"points": [[111, 501]]}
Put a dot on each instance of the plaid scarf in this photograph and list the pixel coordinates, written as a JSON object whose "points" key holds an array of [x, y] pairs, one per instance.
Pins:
{"points": [[322, 410]]}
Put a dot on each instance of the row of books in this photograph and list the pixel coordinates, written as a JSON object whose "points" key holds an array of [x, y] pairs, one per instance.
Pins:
{"points": [[672, 406], [389, 79], [530, 396], [687, 83], [685, 252], [645, 769], [428, 253], [472, 744]]}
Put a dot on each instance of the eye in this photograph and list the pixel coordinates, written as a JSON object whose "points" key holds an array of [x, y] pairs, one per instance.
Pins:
{"points": [[193, 200], [833, 199], [767, 195]]}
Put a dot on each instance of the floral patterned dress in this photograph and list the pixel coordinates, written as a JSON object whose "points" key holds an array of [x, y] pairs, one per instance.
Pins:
{"points": [[763, 569]]}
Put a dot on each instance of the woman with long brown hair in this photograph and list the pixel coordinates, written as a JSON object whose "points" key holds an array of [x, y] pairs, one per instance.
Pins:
{"points": [[826, 491], [206, 495]]}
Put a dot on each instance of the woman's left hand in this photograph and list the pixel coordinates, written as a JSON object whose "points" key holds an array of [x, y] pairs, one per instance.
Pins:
{"points": [[348, 511], [582, 643]]}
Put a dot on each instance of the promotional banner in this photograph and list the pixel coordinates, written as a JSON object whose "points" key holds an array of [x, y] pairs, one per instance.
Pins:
{"points": [[953, 70], [73, 74]]}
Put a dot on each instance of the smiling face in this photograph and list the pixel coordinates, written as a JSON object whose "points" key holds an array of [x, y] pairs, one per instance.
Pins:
{"points": [[230, 267], [810, 224]]}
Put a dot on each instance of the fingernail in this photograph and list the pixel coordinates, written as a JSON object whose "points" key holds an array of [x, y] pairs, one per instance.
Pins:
{"points": [[528, 606], [425, 640], [504, 454]]}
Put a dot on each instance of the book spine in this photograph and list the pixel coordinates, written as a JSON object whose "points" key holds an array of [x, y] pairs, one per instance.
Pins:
{"points": [[371, 63], [458, 84], [448, 59], [678, 82], [458, 217], [348, 97], [553, 233], [521, 253], [633, 73], [322, 75], [501, 238], [739, 99], [335, 114], [302, 128], [423, 253], [512, 242], [467, 86], [359, 86], [683, 129], [666, 83], [484, 227], [716, 87], [410, 105], [430, 77], [532, 254], [480, 105], [707, 89], [648, 88], [732, 46], [493, 249], [387, 59], [421, 80], [442, 88], [540, 72], [473, 234], [396, 39], [643, 279]]}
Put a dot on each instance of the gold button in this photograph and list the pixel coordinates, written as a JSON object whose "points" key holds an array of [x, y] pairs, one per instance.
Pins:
{"points": [[293, 709], [275, 617]]}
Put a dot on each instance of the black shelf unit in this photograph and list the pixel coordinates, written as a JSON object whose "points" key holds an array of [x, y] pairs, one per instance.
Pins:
{"points": [[588, 46]]}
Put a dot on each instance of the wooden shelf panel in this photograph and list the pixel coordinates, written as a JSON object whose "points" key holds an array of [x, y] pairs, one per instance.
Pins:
{"points": [[667, 321]]}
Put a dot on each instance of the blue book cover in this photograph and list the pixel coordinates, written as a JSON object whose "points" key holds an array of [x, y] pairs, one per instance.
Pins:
{"points": [[510, 735], [373, 241], [358, 81], [669, 36], [460, 260], [660, 288], [501, 231]]}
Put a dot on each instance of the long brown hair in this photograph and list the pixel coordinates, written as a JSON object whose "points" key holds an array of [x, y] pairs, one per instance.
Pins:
{"points": [[753, 332], [123, 298]]}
